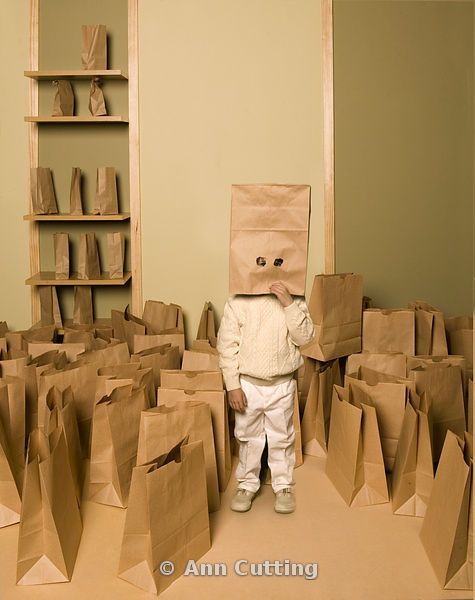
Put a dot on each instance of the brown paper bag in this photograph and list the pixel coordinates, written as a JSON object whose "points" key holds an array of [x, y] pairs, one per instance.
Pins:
{"points": [[139, 377], [413, 473], [470, 407], [63, 104], [89, 266], [97, 105], [43, 198], [39, 333], [355, 463], [430, 329], [389, 331], [158, 358], [161, 427], [10, 484], [199, 361], [316, 416], [71, 350], [269, 237], [172, 336], [207, 327], [443, 384], [12, 415], [106, 202], [163, 316], [50, 523], [94, 47], [115, 431], [161, 526], [446, 531], [82, 308], [60, 413], [113, 354], [49, 306], [335, 307], [389, 401], [75, 196], [219, 416], [115, 255], [392, 364], [127, 326], [192, 380], [61, 255], [460, 337]]}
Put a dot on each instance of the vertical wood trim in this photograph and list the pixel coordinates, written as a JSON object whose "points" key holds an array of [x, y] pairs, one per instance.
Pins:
{"points": [[134, 161], [34, 231], [328, 136]]}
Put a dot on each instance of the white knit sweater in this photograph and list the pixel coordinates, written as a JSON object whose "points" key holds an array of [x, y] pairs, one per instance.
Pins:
{"points": [[259, 338]]}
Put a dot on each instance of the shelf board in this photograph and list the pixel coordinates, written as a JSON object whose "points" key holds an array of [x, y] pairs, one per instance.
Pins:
{"points": [[66, 217], [76, 74], [49, 278], [78, 119]]}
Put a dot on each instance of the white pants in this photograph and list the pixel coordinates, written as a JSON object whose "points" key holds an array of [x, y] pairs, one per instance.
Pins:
{"points": [[269, 412]]}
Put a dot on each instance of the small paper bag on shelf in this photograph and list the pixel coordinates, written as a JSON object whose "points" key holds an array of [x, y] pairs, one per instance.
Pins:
{"points": [[94, 47], [43, 198], [106, 202], [115, 254], [75, 200], [89, 266], [49, 306], [83, 313], [97, 105], [63, 104], [61, 255]]}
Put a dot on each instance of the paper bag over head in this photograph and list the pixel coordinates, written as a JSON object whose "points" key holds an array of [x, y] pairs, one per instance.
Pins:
{"points": [[269, 237]]}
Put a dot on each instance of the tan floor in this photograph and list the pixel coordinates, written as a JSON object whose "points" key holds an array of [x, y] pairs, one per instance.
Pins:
{"points": [[362, 554]]}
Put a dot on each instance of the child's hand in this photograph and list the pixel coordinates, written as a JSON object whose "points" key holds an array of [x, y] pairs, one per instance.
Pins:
{"points": [[237, 400], [278, 289]]}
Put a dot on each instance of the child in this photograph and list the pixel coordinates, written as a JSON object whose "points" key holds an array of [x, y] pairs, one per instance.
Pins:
{"points": [[258, 344]]}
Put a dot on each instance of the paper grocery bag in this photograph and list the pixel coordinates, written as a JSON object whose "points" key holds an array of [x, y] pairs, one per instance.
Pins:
{"points": [[97, 105], [317, 412], [10, 484], [82, 307], [89, 266], [219, 416], [127, 326], [157, 359], [430, 329], [163, 427], [50, 522], [105, 202], [199, 361], [167, 517], [207, 327], [139, 378], [115, 431], [75, 196], [393, 363], [60, 413], [113, 354], [192, 380], [171, 336], [460, 338], [389, 331], [43, 198], [269, 237], [13, 417], [335, 307], [446, 532], [61, 255], [443, 384], [115, 255], [49, 306], [63, 104], [94, 47], [413, 473], [389, 401], [163, 316], [355, 463]]}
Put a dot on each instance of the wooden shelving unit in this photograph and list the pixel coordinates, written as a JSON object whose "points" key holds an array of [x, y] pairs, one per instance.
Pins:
{"points": [[76, 74], [49, 278], [64, 217], [78, 119]]}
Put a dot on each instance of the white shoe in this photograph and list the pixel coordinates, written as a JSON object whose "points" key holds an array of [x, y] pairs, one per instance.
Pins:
{"points": [[284, 501], [242, 500]]}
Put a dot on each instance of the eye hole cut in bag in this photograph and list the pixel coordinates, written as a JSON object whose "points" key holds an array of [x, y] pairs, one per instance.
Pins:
{"points": [[278, 262], [261, 261]]}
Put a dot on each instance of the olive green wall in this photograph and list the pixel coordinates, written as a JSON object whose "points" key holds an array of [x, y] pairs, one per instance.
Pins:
{"points": [[62, 147], [230, 92], [404, 149]]}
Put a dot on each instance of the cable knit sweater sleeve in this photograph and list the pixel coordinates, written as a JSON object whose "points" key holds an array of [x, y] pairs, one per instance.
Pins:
{"points": [[229, 337], [299, 322]]}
